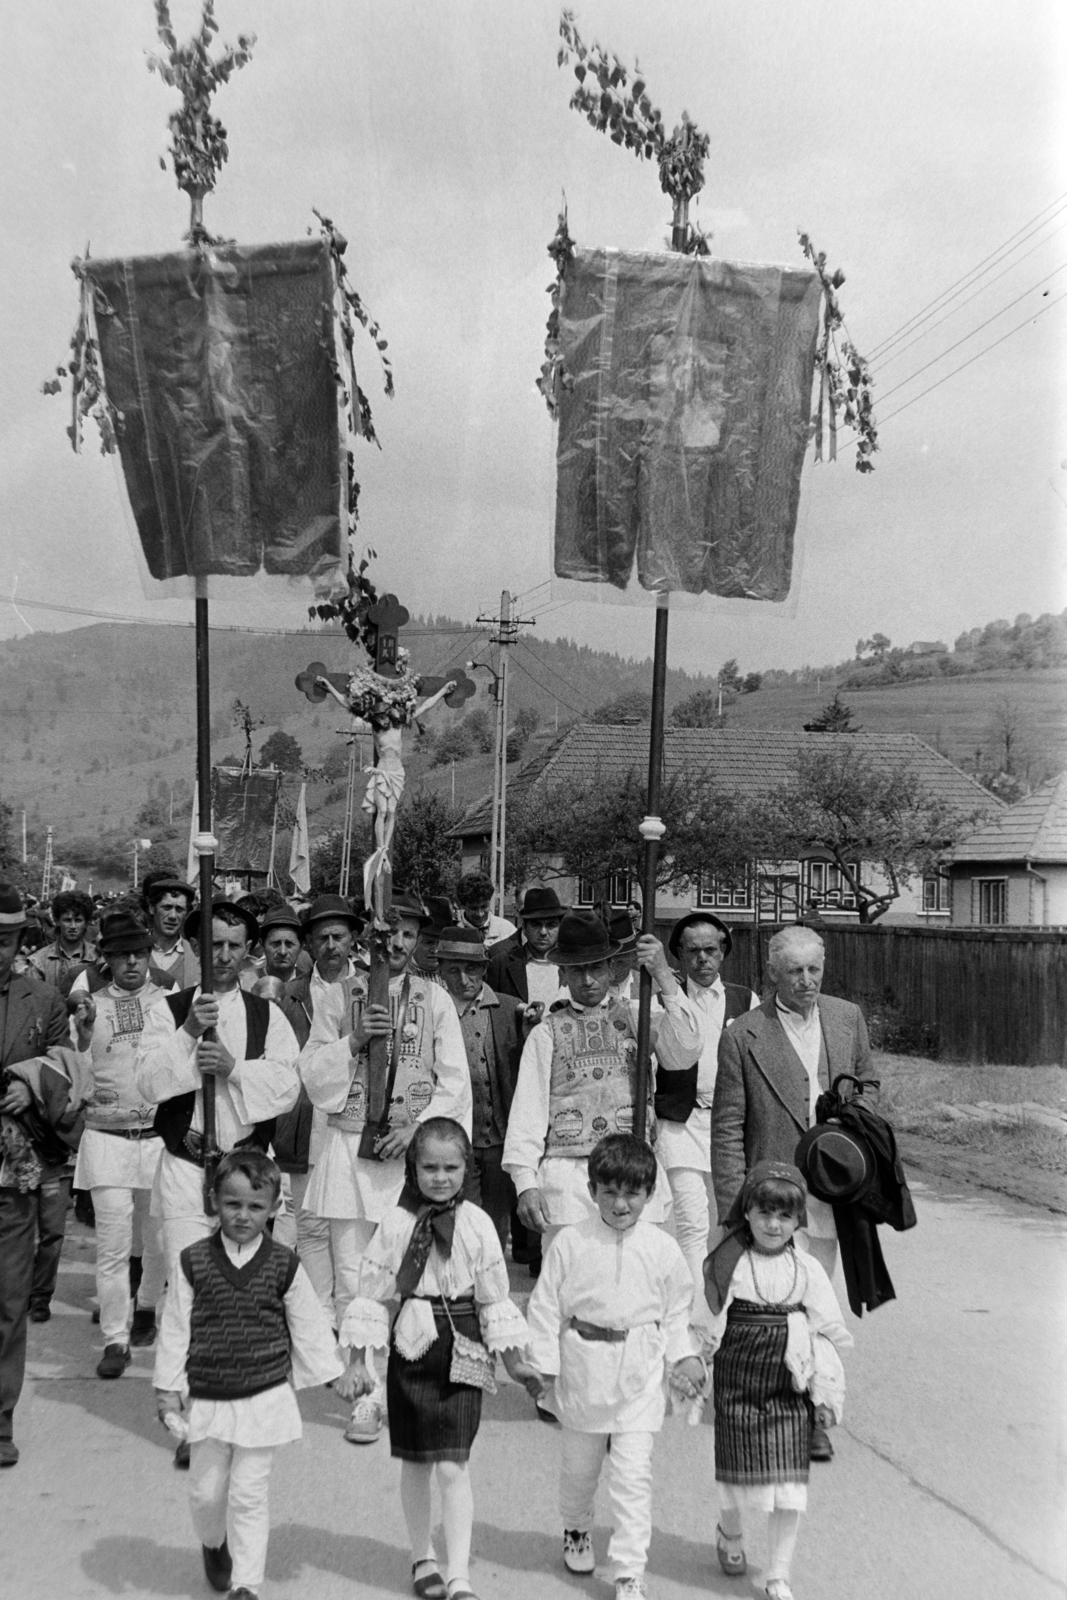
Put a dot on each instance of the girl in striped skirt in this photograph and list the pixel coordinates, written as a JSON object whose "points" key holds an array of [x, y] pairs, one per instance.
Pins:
{"points": [[441, 1256], [775, 1329]]}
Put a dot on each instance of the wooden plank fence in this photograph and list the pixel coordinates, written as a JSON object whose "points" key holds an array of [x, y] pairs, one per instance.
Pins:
{"points": [[959, 994]]}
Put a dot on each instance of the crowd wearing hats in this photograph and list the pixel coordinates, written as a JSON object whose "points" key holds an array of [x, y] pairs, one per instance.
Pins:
{"points": [[517, 1041]]}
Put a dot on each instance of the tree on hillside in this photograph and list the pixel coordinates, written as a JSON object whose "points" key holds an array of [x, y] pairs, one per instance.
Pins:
{"points": [[591, 827], [479, 725], [859, 811], [281, 750], [335, 762], [454, 744], [730, 675], [753, 683], [876, 646], [835, 717], [700, 710], [9, 855], [634, 706], [424, 858]]}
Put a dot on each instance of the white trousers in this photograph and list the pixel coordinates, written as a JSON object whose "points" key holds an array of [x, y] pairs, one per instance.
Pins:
{"points": [[116, 1210], [629, 1492], [349, 1238], [309, 1236], [181, 1231], [690, 1191], [228, 1486]]}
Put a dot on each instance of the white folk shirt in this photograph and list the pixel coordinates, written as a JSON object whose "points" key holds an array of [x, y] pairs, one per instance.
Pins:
{"points": [[107, 1160], [563, 1180], [271, 1417], [542, 982], [805, 1035], [688, 1144], [342, 1185], [255, 1091], [495, 930], [636, 1280]]}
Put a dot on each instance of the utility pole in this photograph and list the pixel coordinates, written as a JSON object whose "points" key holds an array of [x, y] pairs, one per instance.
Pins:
{"points": [[46, 877], [350, 810], [24, 854], [505, 636]]}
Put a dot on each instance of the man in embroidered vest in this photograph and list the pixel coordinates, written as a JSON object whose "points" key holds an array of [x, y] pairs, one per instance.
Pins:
{"points": [[578, 1072], [252, 1059], [699, 942], [120, 1148], [431, 1079], [168, 902], [773, 1063]]}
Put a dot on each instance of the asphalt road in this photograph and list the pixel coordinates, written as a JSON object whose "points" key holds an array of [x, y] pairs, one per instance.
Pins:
{"points": [[948, 1482]]}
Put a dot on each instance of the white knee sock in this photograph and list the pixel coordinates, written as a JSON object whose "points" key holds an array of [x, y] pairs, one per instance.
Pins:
{"points": [[457, 1516], [415, 1479], [782, 1530]]}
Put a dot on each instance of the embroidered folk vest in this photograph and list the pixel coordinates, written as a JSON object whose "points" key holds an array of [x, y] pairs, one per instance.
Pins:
{"points": [[117, 1031], [415, 1078], [239, 1340], [594, 1077]]}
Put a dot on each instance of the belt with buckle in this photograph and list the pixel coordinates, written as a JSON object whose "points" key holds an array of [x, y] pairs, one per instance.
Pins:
{"points": [[592, 1331], [130, 1133]]}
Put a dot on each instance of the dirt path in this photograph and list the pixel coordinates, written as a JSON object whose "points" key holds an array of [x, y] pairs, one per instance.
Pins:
{"points": [[1046, 1190]]}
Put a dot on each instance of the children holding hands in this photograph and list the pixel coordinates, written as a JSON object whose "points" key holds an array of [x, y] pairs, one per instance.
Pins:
{"points": [[774, 1326], [441, 1256], [609, 1320], [242, 1327]]}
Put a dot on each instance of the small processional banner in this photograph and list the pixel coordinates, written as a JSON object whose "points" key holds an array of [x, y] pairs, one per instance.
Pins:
{"points": [[244, 810], [683, 423]]}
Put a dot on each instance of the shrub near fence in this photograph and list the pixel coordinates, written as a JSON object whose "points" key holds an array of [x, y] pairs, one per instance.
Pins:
{"points": [[961, 994]]}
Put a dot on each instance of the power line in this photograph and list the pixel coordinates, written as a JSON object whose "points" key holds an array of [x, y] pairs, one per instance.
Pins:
{"points": [[216, 627], [578, 710], [472, 633], [960, 284], [941, 355], [544, 666]]}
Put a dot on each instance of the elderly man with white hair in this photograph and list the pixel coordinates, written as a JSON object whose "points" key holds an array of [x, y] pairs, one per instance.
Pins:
{"points": [[773, 1063]]}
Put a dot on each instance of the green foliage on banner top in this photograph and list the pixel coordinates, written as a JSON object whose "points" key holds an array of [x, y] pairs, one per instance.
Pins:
{"points": [[89, 397], [198, 140], [352, 609], [554, 375], [845, 381]]}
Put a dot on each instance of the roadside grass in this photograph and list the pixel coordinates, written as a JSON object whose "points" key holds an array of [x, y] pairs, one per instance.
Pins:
{"points": [[915, 1091]]}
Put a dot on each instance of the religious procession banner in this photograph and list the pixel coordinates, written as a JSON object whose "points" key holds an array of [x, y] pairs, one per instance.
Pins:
{"points": [[245, 807], [683, 422], [221, 364]]}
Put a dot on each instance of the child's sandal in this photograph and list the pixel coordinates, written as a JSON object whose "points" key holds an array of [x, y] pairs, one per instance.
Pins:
{"points": [[732, 1561], [777, 1589], [431, 1586]]}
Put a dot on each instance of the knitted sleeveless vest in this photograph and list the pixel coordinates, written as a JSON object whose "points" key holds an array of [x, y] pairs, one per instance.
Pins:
{"points": [[593, 1080], [239, 1341], [676, 1092], [174, 1117]]}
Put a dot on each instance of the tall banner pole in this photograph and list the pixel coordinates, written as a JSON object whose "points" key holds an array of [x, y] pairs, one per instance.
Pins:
{"points": [[204, 845]]}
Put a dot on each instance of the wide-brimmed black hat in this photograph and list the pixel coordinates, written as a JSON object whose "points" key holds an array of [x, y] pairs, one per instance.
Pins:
{"points": [[462, 944], [541, 905], [583, 941], [12, 911], [333, 908], [191, 925], [691, 917], [122, 932], [440, 914], [406, 904], [621, 931], [838, 1165], [280, 917]]}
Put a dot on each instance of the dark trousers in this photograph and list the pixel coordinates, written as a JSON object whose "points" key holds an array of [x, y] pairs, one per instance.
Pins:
{"points": [[490, 1187], [53, 1203], [18, 1230]]}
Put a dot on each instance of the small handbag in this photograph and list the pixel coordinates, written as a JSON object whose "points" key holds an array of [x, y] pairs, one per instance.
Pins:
{"points": [[472, 1364], [374, 1133]]}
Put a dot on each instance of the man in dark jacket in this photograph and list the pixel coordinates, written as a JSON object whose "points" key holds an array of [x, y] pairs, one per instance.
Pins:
{"points": [[521, 965], [40, 1121], [492, 1034]]}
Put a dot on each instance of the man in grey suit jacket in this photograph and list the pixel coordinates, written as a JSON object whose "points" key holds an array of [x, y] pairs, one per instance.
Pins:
{"points": [[773, 1063]]}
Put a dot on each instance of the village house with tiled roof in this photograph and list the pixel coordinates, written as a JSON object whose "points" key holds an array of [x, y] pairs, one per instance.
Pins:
{"points": [[1012, 871], [747, 763]]}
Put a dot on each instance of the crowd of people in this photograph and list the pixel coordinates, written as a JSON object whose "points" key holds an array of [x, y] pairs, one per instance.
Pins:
{"points": [[357, 1228]]}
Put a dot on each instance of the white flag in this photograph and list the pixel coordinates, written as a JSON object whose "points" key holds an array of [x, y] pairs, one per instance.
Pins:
{"points": [[299, 855]]}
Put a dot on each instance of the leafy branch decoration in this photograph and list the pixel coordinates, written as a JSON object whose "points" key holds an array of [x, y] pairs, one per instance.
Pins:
{"points": [[554, 375], [845, 382], [351, 609], [89, 398], [198, 140]]}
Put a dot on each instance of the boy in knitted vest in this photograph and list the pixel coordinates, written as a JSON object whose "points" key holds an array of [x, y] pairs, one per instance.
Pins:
{"points": [[242, 1328]]}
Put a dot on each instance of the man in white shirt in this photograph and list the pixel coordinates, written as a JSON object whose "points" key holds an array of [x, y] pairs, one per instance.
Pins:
{"points": [[699, 943], [576, 1078], [168, 901], [474, 896], [773, 1063], [252, 1060], [431, 1079]]}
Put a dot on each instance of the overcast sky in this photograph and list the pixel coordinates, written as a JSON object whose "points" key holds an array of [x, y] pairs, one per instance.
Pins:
{"points": [[911, 140]]}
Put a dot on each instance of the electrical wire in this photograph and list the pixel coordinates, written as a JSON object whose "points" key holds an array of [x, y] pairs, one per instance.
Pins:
{"points": [[215, 627], [578, 711], [993, 259], [544, 667], [472, 633]]}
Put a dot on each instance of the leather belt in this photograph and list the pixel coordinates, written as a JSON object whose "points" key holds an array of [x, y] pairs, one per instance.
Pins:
{"points": [[593, 1332], [129, 1133]]}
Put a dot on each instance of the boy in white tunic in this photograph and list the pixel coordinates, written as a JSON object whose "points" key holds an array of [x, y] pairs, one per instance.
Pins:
{"points": [[120, 1148], [609, 1320], [242, 1328]]}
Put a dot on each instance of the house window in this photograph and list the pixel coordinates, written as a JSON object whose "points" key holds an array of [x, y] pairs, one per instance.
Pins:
{"points": [[778, 887], [992, 901], [586, 892], [828, 886], [721, 894], [936, 894], [619, 890]]}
